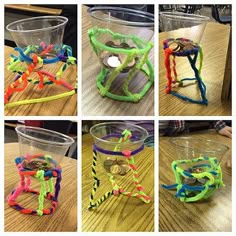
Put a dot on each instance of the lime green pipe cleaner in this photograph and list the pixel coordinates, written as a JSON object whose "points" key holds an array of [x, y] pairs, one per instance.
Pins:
{"points": [[194, 186], [106, 77], [116, 188], [43, 191]]}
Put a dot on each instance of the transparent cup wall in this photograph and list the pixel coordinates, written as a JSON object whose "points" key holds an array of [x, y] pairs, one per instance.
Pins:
{"points": [[112, 144], [182, 25], [33, 31], [33, 141], [123, 21], [190, 148]]}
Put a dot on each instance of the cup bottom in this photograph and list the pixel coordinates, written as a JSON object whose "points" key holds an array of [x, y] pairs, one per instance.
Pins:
{"points": [[38, 162]]}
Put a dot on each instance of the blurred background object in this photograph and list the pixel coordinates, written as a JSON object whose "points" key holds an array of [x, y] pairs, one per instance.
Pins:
{"points": [[219, 13], [222, 13], [178, 127]]}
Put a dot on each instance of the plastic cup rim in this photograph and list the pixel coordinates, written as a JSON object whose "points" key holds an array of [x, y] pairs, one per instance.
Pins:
{"points": [[68, 142], [185, 16], [172, 140], [40, 29], [128, 10], [118, 123]]}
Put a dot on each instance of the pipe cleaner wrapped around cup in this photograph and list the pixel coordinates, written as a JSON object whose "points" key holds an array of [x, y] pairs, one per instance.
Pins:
{"points": [[39, 45], [197, 169], [184, 34], [116, 144], [41, 152], [120, 38]]}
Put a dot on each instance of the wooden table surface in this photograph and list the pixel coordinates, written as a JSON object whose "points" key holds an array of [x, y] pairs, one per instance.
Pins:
{"points": [[36, 9], [214, 42], [61, 107], [65, 217], [92, 102], [118, 213], [214, 214]]}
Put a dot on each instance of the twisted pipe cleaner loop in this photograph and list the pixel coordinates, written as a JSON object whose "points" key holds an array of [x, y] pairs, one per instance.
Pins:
{"points": [[43, 177], [29, 55], [106, 77], [117, 189], [197, 51], [212, 176]]}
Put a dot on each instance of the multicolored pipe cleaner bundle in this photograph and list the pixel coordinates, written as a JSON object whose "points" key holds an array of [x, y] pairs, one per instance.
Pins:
{"points": [[45, 178], [134, 59], [117, 189], [36, 57], [198, 182], [182, 47]]}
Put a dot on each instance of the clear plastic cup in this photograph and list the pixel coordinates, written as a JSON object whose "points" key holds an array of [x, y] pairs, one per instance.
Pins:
{"points": [[114, 35], [33, 31], [187, 148], [107, 137], [34, 141], [183, 25], [123, 20]]}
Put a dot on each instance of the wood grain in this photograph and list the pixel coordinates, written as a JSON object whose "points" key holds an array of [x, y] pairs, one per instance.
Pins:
{"points": [[118, 213], [92, 102], [214, 42], [60, 107], [226, 93], [36, 9], [214, 214], [65, 217]]}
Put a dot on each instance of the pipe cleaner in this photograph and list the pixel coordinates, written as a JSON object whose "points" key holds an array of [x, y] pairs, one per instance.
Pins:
{"points": [[196, 186], [117, 189], [182, 47], [137, 54], [35, 57], [45, 178]]}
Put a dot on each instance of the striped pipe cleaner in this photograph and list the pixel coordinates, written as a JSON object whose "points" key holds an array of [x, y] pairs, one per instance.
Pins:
{"points": [[192, 56], [116, 189], [211, 175], [47, 190], [36, 56]]}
